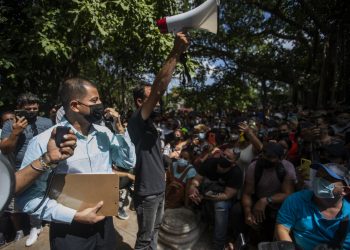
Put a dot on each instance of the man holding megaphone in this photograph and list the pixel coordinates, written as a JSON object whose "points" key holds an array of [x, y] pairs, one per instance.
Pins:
{"points": [[149, 169]]}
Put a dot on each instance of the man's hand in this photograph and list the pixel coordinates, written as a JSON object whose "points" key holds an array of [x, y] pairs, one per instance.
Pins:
{"points": [[64, 151], [259, 210], [111, 112], [89, 215], [181, 43], [194, 195], [20, 124], [243, 127], [250, 219]]}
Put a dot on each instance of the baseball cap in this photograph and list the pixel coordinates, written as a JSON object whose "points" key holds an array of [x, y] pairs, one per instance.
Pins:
{"points": [[334, 170]]}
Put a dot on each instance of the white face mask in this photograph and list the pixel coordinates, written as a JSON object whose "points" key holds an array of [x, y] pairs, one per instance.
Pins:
{"points": [[322, 188]]}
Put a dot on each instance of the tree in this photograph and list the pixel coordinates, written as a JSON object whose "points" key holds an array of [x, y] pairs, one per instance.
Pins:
{"points": [[113, 43]]}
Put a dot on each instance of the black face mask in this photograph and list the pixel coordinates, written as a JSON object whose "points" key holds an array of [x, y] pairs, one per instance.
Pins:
{"points": [[31, 116], [283, 135], [266, 163], [156, 112], [223, 162], [96, 113]]}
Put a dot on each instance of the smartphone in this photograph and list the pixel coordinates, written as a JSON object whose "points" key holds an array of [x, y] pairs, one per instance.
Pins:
{"points": [[21, 112], [60, 132]]}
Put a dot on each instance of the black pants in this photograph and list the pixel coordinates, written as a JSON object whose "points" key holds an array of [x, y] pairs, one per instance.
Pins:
{"points": [[77, 236]]}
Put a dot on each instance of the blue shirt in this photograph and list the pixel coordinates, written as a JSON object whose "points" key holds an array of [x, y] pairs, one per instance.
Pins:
{"points": [[33, 129], [190, 174], [94, 154], [301, 215]]}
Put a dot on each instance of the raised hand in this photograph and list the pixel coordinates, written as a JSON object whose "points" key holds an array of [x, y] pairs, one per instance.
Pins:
{"points": [[65, 149]]}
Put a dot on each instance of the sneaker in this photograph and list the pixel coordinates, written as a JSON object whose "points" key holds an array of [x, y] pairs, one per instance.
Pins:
{"points": [[122, 214], [2, 240], [33, 236], [19, 235]]}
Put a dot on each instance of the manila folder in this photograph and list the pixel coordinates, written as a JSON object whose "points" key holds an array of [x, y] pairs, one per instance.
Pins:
{"points": [[80, 191]]}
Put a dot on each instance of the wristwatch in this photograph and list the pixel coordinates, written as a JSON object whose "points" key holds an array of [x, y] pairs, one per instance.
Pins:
{"points": [[269, 200], [45, 165]]}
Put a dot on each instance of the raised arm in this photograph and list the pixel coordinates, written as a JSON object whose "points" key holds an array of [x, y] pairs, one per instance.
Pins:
{"points": [[11, 133], [164, 76]]}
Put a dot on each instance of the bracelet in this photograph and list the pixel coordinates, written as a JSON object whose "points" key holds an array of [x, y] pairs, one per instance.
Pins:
{"points": [[37, 169], [46, 166]]}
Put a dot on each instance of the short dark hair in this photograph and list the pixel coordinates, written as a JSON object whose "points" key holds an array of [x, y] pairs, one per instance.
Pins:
{"points": [[139, 91], [27, 98], [73, 88]]}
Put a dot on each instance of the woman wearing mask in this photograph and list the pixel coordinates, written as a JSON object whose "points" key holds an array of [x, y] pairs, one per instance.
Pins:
{"points": [[179, 178]]}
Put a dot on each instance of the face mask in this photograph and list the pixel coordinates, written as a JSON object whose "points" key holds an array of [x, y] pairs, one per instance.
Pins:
{"points": [[322, 188], [31, 115], [96, 113], [284, 135], [156, 112], [234, 137], [266, 163], [201, 136], [182, 162], [224, 163]]}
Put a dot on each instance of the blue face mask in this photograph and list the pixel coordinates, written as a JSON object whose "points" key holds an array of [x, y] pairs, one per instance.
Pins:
{"points": [[201, 136], [322, 188], [182, 162]]}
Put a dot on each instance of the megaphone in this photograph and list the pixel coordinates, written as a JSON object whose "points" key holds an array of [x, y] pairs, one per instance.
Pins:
{"points": [[7, 182], [203, 17]]}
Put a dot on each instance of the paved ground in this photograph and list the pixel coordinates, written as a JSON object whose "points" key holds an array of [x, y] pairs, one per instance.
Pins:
{"points": [[126, 235]]}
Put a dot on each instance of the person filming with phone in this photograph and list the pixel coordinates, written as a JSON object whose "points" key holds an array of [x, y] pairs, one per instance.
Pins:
{"points": [[95, 149], [15, 138]]}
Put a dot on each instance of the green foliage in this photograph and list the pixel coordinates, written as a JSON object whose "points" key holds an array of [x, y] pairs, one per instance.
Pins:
{"points": [[300, 49], [109, 42]]}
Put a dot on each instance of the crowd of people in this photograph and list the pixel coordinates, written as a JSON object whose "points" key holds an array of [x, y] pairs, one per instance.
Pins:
{"points": [[281, 174]]}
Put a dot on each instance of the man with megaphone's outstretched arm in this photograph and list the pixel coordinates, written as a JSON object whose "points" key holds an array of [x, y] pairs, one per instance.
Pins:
{"points": [[149, 169]]}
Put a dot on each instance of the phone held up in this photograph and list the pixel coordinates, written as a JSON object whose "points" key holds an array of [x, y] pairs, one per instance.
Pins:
{"points": [[61, 131]]}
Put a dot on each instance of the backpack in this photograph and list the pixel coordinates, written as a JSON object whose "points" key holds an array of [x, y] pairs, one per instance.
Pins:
{"points": [[258, 172], [175, 189]]}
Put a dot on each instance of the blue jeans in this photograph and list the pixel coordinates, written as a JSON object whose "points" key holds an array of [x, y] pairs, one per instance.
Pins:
{"points": [[150, 211], [221, 214]]}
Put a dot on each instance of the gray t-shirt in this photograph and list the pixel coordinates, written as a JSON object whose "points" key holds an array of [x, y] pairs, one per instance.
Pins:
{"points": [[33, 129], [269, 184]]}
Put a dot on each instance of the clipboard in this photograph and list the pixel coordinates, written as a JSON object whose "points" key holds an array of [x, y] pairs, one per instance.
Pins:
{"points": [[80, 191]]}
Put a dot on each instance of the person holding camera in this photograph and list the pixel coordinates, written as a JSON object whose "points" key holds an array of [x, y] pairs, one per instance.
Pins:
{"points": [[95, 150], [15, 138]]}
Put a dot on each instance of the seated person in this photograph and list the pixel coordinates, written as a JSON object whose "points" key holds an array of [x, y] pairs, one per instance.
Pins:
{"points": [[224, 179], [268, 182], [179, 178], [319, 216]]}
